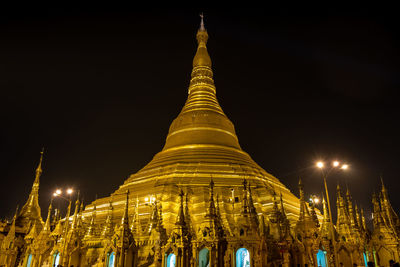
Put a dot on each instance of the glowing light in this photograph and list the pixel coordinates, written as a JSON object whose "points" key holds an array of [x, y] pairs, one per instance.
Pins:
{"points": [[314, 199], [320, 164], [335, 163], [55, 194], [58, 192], [70, 191], [153, 199], [146, 199], [345, 167]]}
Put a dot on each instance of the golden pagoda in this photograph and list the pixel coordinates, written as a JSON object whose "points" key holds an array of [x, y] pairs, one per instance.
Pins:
{"points": [[201, 146], [201, 201]]}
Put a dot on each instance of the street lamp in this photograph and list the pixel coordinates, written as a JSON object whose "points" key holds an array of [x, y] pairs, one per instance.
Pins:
{"points": [[335, 166], [58, 193], [314, 199]]}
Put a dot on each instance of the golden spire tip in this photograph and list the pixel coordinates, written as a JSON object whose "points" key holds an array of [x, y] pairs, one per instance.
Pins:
{"points": [[202, 28]]}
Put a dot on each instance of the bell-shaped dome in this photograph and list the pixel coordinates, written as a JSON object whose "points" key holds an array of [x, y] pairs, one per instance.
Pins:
{"points": [[202, 145]]}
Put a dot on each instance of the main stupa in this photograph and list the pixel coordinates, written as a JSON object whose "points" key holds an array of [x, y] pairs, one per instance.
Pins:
{"points": [[201, 201], [201, 146]]}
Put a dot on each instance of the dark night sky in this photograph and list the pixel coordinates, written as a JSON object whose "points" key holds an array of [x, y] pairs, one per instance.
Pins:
{"points": [[99, 87]]}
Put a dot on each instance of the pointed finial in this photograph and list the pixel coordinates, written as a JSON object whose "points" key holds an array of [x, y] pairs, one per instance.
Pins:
{"points": [[202, 28], [47, 224], [202, 58], [125, 219], [39, 168], [180, 220], [281, 200], [211, 183], [301, 189], [383, 185], [16, 212]]}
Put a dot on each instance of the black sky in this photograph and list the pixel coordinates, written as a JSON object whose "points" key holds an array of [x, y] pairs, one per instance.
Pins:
{"points": [[99, 86]]}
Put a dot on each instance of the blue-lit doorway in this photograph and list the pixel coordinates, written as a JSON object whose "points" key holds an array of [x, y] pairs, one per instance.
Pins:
{"points": [[321, 258], [242, 258], [29, 261], [171, 260], [204, 258], [111, 259], [56, 259]]}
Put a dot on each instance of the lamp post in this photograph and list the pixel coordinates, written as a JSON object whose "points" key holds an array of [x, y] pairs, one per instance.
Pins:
{"points": [[314, 199], [58, 193], [335, 166]]}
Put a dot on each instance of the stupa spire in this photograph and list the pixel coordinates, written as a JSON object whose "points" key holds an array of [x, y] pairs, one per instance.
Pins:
{"points": [[75, 217], [364, 225], [180, 219], [202, 28], [108, 227], [245, 203], [47, 224], [325, 231], [11, 232], [202, 120], [91, 231], [187, 215], [31, 210], [383, 184], [125, 218], [252, 208], [39, 168], [304, 212], [350, 207], [211, 212], [202, 58]]}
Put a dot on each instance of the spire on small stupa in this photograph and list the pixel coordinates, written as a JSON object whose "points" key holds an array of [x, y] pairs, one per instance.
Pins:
{"points": [[187, 214], [153, 218], [245, 203], [211, 212], [75, 217], [125, 217], [11, 232], [304, 212], [33, 233], [325, 227], [383, 185], [108, 227], [180, 219], [39, 168], [91, 230], [252, 208], [31, 211], [47, 223]]}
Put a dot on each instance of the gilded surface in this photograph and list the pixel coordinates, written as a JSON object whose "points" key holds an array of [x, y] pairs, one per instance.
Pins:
{"points": [[202, 192]]}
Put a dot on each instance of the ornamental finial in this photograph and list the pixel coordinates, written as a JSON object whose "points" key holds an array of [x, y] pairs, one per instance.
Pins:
{"points": [[202, 28], [383, 185], [39, 167]]}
